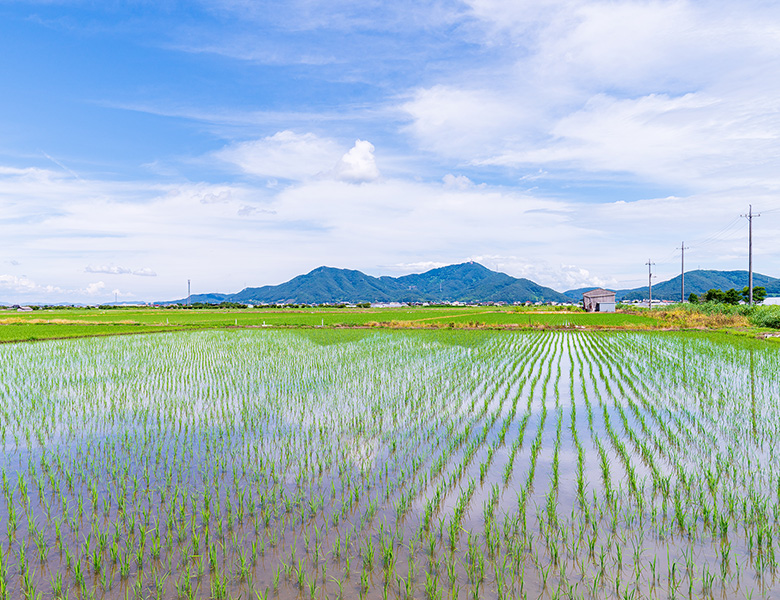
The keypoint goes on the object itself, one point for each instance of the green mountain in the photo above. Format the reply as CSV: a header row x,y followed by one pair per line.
x,y
697,282
700,281
322,285
204,298
467,282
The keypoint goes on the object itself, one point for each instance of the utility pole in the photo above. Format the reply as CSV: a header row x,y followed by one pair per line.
x,y
749,217
650,281
188,292
682,270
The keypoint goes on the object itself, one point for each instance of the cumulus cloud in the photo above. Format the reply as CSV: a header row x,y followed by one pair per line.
x,y
358,165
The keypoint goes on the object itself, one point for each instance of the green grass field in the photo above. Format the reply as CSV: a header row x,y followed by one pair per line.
x,y
45,331
46,324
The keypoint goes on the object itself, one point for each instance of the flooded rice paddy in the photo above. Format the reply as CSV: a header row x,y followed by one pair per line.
x,y
271,464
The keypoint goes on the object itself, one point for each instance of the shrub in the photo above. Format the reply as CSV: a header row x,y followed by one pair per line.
x,y
766,316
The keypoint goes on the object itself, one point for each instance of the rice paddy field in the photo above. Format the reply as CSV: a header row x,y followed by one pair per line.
x,y
262,464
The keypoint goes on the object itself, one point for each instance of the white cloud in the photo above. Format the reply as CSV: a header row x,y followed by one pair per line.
x,y
457,182
95,288
255,236
560,94
284,155
144,272
108,269
116,270
216,197
668,91
417,267
358,165
13,287
560,277
462,122
17,284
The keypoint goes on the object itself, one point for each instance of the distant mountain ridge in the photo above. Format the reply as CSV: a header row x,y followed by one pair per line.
x,y
467,282
696,282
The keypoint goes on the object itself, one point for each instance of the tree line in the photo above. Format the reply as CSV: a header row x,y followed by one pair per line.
x,y
731,296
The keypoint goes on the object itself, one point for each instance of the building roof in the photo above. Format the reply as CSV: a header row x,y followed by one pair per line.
x,y
599,292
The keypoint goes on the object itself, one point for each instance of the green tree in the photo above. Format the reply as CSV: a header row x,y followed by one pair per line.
x,y
693,298
732,296
714,295
759,294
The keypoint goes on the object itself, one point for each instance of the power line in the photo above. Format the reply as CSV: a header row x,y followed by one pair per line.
x,y
733,227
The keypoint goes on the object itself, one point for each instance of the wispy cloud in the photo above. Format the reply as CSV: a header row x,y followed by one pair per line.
x,y
286,155
564,141
116,270
668,91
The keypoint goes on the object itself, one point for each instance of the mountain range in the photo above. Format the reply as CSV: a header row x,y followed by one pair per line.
x,y
467,282
696,282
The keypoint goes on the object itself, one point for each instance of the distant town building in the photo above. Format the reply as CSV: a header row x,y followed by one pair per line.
x,y
599,300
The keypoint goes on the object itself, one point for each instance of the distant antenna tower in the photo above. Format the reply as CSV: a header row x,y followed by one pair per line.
x,y
189,294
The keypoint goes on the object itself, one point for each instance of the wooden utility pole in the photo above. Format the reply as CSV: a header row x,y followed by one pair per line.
x,y
749,217
682,271
650,281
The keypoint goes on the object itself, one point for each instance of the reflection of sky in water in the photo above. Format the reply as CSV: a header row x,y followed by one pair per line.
x,y
307,382
378,401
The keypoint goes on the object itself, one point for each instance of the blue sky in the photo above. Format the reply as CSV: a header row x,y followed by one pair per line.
x,y
241,143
